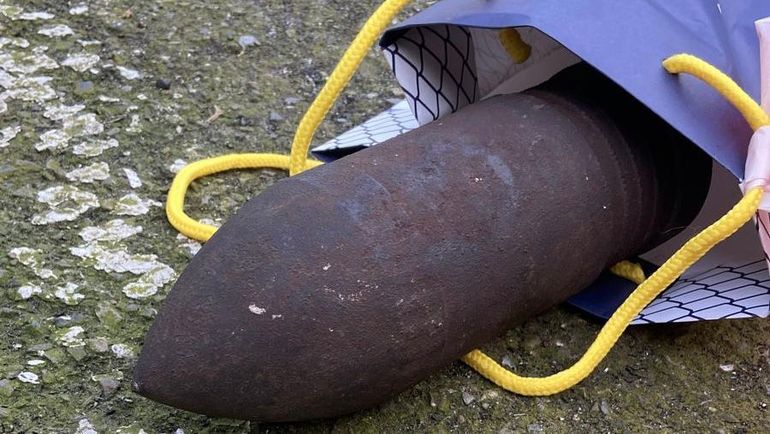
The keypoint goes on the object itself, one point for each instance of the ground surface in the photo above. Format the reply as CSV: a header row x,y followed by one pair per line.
x,y
87,256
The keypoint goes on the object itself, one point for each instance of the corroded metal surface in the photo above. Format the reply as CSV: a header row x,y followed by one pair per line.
x,y
340,287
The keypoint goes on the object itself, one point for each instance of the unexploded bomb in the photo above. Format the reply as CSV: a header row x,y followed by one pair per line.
x,y
421,249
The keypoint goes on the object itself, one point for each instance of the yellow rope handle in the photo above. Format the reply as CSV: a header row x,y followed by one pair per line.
x,y
297,161
511,40
729,89
693,250
650,288
176,194
339,78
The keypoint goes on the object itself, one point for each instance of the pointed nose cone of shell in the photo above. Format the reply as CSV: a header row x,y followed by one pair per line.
x,y
205,351
215,346
245,331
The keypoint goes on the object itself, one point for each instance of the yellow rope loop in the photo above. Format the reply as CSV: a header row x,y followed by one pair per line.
x,y
297,161
629,271
514,45
693,250
751,111
176,194
339,78
648,289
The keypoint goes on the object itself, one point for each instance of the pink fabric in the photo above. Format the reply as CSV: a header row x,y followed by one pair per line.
x,y
758,164
763,31
758,161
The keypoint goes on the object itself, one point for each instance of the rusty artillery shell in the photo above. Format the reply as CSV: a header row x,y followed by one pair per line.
x,y
341,287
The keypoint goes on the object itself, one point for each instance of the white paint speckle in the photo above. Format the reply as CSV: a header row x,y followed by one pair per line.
x,y
177,165
94,147
133,205
81,62
52,139
73,125
72,337
85,124
60,111
277,316
79,9
26,63
188,244
25,255
85,427
85,43
256,309
66,203
247,41
148,283
31,258
17,13
28,377
727,367
152,274
68,294
327,267
7,81
9,11
128,73
57,31
34,16
122,351
130,429
45,273
105,98
113,230
7,134
116,259
507,361
27,291
35,362
89,174
132,177
135,126
16,42
30,89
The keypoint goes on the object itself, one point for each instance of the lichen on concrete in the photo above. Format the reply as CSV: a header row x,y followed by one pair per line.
x,y
102,101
